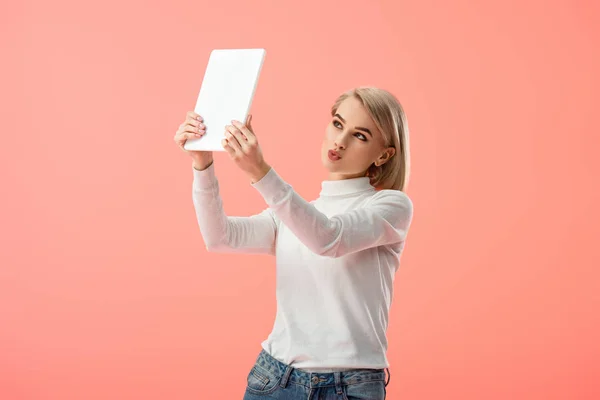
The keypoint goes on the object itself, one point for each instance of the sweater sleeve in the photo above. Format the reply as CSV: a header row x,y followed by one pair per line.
x,y
384,220
224,234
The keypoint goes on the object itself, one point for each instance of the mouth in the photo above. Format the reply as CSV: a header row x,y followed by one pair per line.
x,y
333,155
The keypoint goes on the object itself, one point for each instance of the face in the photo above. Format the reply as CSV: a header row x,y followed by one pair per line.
x,y
359,143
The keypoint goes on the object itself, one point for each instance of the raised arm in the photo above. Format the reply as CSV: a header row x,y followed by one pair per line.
x,y
385,219
254,234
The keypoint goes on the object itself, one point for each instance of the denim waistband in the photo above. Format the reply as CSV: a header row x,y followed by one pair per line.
x,y
318,379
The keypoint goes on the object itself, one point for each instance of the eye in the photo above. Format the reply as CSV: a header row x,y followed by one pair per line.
x,y
362,137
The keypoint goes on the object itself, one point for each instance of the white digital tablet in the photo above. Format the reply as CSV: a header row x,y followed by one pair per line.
x,y
226,93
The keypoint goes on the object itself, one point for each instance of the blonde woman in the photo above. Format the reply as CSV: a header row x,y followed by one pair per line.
x,y
336,256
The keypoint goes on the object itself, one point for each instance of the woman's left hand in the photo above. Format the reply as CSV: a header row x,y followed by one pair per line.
x,y
244,150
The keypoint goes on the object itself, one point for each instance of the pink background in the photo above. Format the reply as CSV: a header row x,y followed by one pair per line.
x,y
106,290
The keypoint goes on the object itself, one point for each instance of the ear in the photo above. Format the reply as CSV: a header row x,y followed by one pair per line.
x,y
386,156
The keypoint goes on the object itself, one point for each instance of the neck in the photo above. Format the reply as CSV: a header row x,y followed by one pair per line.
x,y
345,185
334,176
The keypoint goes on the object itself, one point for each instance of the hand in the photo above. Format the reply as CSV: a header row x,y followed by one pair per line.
x,y
243,148
193,128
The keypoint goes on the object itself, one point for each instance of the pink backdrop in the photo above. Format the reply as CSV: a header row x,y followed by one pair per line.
x,y
106,290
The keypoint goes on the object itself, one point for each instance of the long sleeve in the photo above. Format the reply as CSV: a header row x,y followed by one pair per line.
x,y
253,234
385,219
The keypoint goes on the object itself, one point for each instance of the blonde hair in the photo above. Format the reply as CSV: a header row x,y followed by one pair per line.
x,y
389,117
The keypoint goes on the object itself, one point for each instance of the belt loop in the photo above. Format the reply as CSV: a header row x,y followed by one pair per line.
x,y
338,382
389,376
286,376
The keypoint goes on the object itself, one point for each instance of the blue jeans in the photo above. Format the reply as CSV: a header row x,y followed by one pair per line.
x,y
269,378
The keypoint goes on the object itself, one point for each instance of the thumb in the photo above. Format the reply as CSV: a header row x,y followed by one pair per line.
x,y
249,121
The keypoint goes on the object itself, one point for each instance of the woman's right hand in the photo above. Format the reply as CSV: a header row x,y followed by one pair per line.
x,y
193,128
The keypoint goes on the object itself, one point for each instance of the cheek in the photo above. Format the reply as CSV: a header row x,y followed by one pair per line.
x,y
325,144
329,134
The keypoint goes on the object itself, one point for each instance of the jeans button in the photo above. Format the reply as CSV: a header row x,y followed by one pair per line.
x,y
315,379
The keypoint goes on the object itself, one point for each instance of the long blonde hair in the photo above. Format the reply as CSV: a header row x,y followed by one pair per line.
x,y
389,117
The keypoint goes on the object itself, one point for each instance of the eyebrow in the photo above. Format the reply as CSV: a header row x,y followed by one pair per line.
x,y
356,127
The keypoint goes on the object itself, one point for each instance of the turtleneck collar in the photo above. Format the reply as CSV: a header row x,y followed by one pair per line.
x,y
346,186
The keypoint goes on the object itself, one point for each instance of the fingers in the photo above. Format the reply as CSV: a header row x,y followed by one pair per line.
x,y
239,140
230,150
246,130
194,122
186,131
193,116
239,137
235,138
196,125
192,128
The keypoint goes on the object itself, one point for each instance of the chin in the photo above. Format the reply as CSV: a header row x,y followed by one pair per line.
x,y
329,167
328,164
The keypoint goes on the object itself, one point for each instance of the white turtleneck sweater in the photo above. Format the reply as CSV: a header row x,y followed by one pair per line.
x,y
336,258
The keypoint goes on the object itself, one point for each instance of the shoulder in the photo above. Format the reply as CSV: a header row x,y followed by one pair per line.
x,y
393,204
392,197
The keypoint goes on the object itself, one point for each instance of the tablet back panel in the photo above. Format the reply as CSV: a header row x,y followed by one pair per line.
x,y
226,93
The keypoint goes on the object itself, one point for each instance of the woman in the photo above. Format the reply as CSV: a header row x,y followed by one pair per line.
x,y
336,256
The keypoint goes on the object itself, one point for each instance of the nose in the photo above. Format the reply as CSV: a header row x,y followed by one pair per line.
x,y
340,143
